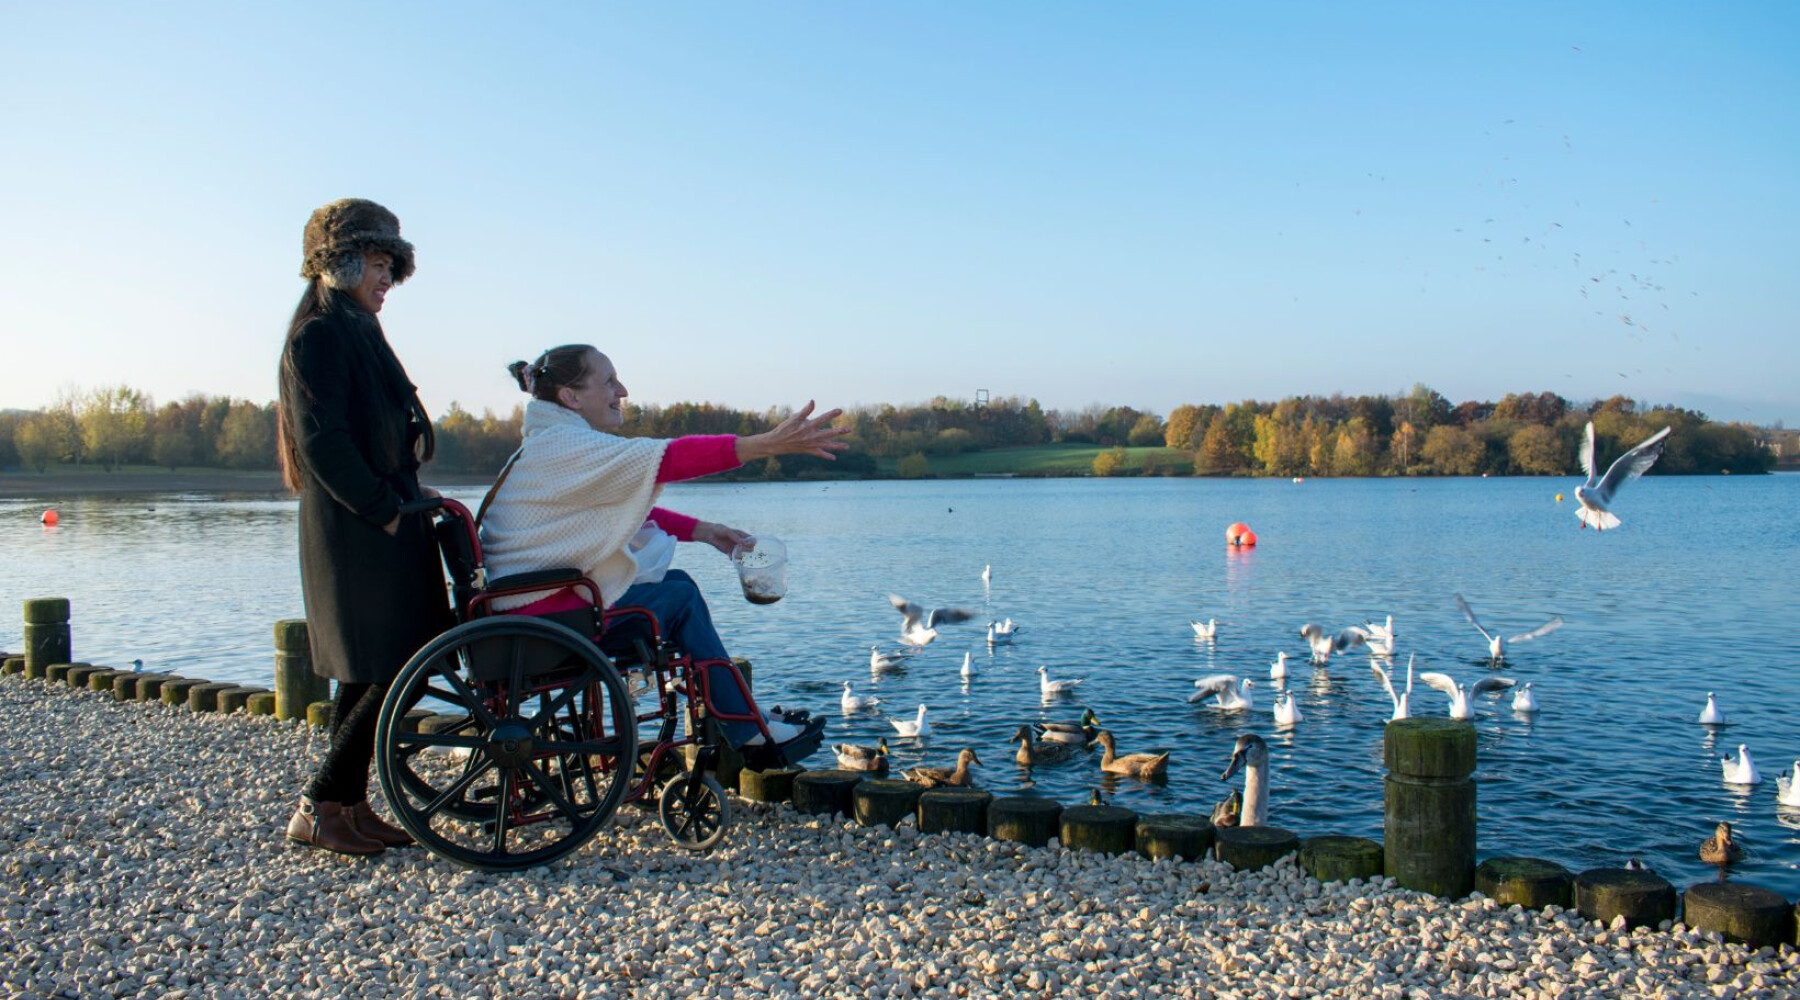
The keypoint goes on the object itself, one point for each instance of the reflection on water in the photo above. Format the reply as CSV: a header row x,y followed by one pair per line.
x,y
1104,576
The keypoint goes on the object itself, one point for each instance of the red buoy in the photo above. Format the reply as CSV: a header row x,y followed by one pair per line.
x,y
1239,534
49,518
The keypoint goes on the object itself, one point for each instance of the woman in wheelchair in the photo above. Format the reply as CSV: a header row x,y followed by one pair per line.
x,y
579,495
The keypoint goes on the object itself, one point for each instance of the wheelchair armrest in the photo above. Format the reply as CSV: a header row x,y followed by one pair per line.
x,y
541,579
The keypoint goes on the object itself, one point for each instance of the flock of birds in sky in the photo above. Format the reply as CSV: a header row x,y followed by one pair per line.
x,y
1055,743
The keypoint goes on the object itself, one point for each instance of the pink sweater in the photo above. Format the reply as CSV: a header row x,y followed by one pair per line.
x,y
690,458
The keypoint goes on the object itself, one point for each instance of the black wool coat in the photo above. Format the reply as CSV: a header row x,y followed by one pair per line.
x,y
372,599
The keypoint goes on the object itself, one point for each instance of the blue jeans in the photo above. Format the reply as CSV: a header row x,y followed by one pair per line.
x,y
681,612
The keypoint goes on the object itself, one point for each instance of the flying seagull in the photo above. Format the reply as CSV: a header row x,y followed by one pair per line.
x,y
1496,644
1596,495
918,625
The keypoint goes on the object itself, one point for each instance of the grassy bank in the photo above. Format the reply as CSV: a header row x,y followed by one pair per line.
x,y
1046,460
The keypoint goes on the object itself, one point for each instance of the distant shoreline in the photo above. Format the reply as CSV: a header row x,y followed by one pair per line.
x,y
98,482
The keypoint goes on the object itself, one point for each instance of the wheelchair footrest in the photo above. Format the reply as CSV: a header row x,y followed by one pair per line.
x,y
765,757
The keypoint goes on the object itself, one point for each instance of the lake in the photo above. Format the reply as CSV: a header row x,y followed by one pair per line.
x,y
1695,593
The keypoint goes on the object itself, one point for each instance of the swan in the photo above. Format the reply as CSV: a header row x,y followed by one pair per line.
x,y
917,728
1080,733
851,757
1034,751
1208,629
1787,790
1524,700
1232,692
1402,708
1711,715
1497,645
1278,669
1286,712
918,625
1595,496
1052,689
931,777
1741,771
968,667
853,702
1460,695
879,661
1136,765
1252,755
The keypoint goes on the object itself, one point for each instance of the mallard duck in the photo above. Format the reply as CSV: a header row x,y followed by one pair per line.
x,y
1034,752
1095,798
931,777
1082,732
1228,810
1251,754
1136,765
851,757
1719,849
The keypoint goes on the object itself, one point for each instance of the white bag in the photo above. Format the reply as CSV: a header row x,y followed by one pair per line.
x,y
653,549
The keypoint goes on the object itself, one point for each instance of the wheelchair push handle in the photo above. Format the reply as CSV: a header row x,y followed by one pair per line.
x,y
426,505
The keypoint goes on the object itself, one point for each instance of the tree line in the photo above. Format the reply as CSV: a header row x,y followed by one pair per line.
x,y
1416,433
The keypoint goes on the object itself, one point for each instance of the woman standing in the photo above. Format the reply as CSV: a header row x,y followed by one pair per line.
x,y
352,435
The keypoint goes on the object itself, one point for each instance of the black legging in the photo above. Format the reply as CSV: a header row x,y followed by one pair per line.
x,y
343,776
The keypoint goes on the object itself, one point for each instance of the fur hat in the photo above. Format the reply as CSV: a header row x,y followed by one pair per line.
x,y
340,233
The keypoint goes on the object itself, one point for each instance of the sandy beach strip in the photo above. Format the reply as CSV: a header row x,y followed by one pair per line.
x,y
143,857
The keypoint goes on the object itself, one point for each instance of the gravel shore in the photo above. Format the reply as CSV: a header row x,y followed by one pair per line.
x,y
143,855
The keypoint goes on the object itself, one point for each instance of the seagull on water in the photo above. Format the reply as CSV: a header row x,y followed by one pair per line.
x,y
1741,771
1278,669
853,702
1286,712
1208,629
1379,637
1524,700
1003,631
917,728
918,625
1787,790
1402,708
968,667
1324,643
987,576
1496,644
1232,692
1051,689
1711,715
1460,695
1596,495
879,660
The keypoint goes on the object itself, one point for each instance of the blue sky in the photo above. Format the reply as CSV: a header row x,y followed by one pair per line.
x,y
759,203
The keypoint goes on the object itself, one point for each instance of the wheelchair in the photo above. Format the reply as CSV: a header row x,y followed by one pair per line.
x,y
535,737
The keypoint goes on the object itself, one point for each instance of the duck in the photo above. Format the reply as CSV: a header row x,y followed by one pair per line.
x,y
1080,733
1402,699
969,670
1636,864
1251,754
1787,790
1232,692
932,777
1136,765
1052,689
1741,771
1460,708
879,661
1208,629
1278,669
1711,715
1719,849
1524,701
1286,712
1033,752
851,757
852,702
1229,810
917,728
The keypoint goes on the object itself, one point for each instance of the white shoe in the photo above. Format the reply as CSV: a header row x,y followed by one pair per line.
x,y
782,732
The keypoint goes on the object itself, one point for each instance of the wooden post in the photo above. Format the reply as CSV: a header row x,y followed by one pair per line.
x,y
317,713
954,810
102,680
1248,848
175,690
296,686
78,674
775,785
1026,819
1644,899
1101,829
236,699
819,793
14,665
1174,835
260,703
1530,882
205,697
46,634
1745,913
1429,834
1339,859
149,686
884,801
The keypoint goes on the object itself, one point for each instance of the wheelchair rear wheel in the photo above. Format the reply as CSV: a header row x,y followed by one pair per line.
x,y
540,762
694,810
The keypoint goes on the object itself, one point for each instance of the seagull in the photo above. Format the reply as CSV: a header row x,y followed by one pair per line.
x,y
987,576
1402,709
1741,771
1278,669
918,727
968,668
853,702
1787,790
1497,645
1380,637
1596,495
1232,692
1286,712
1524,700
918,626
879,660
1208,629
137,666
1459,695
1324,644
1711,715
1001,631
1051,689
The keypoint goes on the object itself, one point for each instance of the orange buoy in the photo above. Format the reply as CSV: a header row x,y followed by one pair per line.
x,y
1247,539
49,518
1239,534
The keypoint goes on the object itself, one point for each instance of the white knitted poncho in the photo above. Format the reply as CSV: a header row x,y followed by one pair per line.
x,y
574,499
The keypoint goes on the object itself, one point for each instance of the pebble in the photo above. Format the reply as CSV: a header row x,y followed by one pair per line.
x,y
144,855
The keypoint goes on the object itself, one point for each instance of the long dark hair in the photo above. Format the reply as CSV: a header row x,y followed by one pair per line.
x,y
322,301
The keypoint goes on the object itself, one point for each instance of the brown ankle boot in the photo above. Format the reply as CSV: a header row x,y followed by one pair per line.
x,y
328,825
363,818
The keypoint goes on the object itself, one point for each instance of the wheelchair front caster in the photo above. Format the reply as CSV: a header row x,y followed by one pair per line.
x,y
693,808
